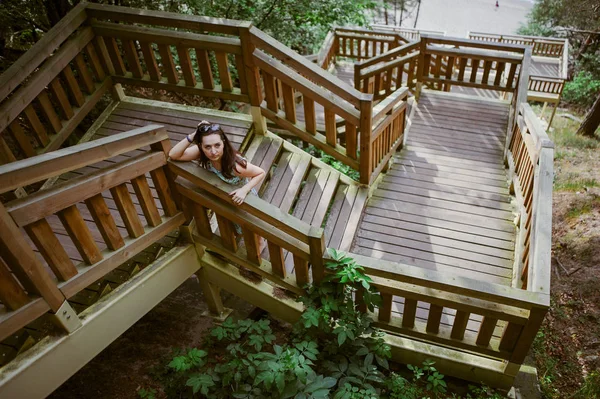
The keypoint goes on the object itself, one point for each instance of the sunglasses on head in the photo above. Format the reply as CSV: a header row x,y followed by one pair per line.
x,y
213,127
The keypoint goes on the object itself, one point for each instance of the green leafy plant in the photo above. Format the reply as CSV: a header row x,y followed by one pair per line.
x,y
582,90
334,163
149,393
333,351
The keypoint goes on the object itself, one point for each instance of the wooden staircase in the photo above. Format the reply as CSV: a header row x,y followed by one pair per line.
x,y
312,191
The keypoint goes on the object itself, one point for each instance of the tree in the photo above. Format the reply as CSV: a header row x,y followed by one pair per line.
x,y
592,120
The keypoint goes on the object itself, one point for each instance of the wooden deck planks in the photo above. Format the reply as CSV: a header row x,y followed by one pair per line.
x,y
444,204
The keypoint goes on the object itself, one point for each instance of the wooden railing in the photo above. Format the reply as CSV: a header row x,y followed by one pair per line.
x,y
194,52
544,84
363,43
488,319
542,46
388,72
265,230
80,207
412,35
49,90
445,62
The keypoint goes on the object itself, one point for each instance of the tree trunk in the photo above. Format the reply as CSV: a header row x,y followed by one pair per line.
x,y
418,9
591,121
56,9
402,5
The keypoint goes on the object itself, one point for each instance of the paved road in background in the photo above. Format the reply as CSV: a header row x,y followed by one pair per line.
x,y
457,17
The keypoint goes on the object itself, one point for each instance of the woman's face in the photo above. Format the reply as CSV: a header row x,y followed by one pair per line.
x,y
212,146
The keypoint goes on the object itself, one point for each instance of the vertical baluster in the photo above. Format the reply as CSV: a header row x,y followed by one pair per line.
x,y
351,140
434,318
499,71
487,66
202,221
166,59
62,100
115,55
104,222
252,243
461,69
410,312
11,293
330,128
150,61
316,243
146,200
227,233
49,112
239,66
84,74
6,155
133,60
385,311
186,66
460,325
73,86
22,139
204,69
270,91
127,210
95,63
103,55
224,75
53,252
474,67
80,234
486,330
164,191
289,103
277,259
301,271
309,115
38,128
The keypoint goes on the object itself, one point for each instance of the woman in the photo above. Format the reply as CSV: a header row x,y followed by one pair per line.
x,y
214,152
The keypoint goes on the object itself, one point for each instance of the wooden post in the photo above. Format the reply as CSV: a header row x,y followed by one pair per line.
x,y
252,79
366,116
212,294
420,67
316,243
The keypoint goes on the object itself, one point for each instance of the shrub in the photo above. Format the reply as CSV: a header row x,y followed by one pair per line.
x,y
582,90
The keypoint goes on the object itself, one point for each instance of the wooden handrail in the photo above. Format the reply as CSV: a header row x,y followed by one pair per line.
x,y
388,55
254,205
474,44
162,36
166,19
304,67
27,171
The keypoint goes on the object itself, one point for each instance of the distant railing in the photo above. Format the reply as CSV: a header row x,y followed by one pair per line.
x,y
79,205
445,61
266,230
388,72
542,46
363,43
544,84
412,35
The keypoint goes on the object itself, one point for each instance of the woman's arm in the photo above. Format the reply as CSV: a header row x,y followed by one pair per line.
x,y
184,151
254,173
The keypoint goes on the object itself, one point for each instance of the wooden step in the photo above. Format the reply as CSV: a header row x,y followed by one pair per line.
x,y
263,152
344,217
287,178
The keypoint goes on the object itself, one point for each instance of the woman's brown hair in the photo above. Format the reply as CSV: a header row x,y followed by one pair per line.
x,y
230,158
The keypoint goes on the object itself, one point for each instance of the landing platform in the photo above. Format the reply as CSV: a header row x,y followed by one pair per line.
x,y
445,203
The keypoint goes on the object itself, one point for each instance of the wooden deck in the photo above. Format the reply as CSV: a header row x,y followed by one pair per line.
x,y
445,204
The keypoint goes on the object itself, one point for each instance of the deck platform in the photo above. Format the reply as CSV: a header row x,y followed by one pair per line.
x,y
444,204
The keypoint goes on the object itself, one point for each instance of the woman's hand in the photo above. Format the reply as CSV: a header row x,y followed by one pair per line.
x,y
238,196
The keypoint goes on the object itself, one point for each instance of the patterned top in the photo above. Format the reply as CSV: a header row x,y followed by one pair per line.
x,y
234,181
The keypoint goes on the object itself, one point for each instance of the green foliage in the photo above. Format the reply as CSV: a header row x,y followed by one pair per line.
x,y
332,352
591,387
582,90
334,163
147,393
